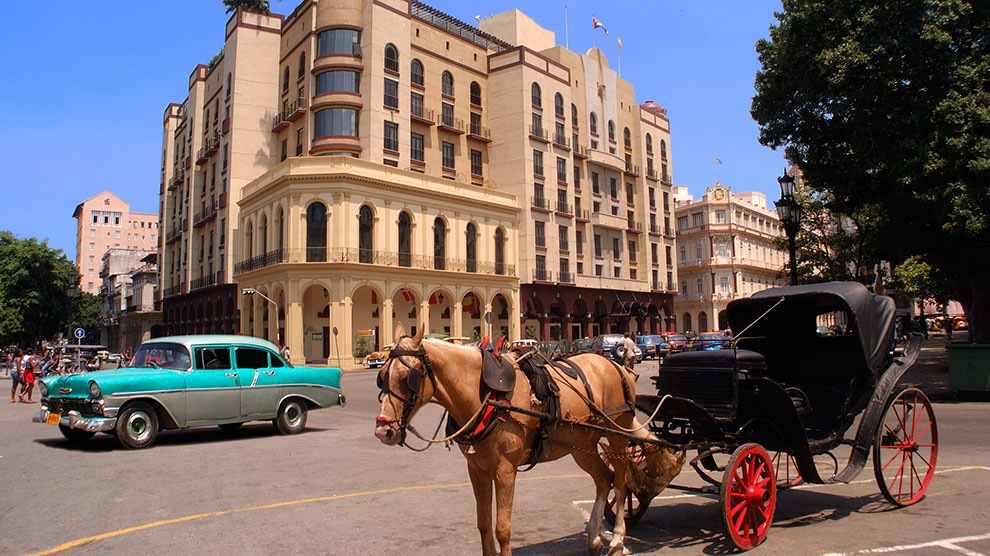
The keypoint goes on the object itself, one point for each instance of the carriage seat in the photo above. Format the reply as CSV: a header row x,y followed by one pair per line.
x,y
821,384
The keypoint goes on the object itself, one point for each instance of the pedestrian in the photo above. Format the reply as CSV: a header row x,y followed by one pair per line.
x,y
947,325
15,375
28,366
285,353
629,358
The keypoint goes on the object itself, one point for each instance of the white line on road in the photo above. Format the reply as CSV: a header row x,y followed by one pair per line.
x,y
949,544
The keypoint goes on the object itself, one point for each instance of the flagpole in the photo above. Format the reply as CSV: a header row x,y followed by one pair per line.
x,y
619,57
567,42
593,28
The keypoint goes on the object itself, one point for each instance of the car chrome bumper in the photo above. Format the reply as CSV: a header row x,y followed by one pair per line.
x,y
74,420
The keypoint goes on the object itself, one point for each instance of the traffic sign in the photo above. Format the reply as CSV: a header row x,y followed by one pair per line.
x,y
489,317
79,333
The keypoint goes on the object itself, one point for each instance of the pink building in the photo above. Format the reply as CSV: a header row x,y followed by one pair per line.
x,y
105,221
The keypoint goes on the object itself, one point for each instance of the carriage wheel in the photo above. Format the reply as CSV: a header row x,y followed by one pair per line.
x,y
634,508
785,470
748,496
905,448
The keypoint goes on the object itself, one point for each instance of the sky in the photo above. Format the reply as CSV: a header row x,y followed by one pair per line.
x,y
87,84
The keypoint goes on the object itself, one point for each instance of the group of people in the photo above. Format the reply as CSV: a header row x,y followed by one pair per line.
x,y
22,367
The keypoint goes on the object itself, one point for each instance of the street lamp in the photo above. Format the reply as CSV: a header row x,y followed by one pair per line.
x,y
789,211
252,291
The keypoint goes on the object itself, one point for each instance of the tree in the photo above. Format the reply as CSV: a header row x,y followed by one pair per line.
x,y
917,281
255,5
34,283
886,106
86,315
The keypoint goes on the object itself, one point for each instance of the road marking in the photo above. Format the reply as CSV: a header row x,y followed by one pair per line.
x,y
95,538
948,544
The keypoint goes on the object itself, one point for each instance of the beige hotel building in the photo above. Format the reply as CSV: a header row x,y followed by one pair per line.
x,y
360,163
726,251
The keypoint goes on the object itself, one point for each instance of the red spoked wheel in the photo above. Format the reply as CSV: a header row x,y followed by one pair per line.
x,y
785,470
748,496
906,447
633,508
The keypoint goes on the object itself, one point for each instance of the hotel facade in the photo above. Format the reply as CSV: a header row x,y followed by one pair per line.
x,y
357,164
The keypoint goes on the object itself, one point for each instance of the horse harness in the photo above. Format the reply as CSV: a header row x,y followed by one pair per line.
x,y
414,380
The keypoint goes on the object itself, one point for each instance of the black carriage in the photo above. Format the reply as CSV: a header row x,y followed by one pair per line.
x,y
807,362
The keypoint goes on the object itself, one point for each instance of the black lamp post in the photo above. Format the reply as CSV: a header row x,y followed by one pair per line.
x,y
789,211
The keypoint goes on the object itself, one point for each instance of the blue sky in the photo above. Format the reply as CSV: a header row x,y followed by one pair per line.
x,y
87,83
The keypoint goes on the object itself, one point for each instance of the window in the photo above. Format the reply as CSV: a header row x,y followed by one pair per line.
x,y
96,217
598,245
475,93
405,232
632,251
697,250
629,192
720,217
559,137
565,270
574,118
595,187
391,136
391,58
302,66
251,358
215,358
697,219
338,41
338,81
316,232
439,244
654,253
577,177
537,96
626,138
416,146
447,114
285,152
561,169
279,230
613,189
558,105
416,104
92,232
537,162
391,93
499,251
594,123
299,142
470,253
228,85
336,121
562,238
649,144
448,155
475,123
476,162
579,240
663,151
416,72
541,268
285,81
540,232
537,124
611,131
447,83
365,229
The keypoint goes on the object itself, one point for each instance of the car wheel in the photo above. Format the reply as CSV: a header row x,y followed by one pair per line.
x,y
619,352
230,427
291,417
137,426
75,435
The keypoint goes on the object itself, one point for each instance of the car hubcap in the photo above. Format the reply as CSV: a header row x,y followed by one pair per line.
x,y
137,423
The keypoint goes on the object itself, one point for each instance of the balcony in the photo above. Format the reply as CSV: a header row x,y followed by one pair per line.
x,y
262,261
341,255
540,203
451,124
542,275
203,282
225,126
210,146
537,133
171,291
563,208
479,133
632,169
565,278
652,174
174,182
205,215
561,141
173,235
582,215
293,111
665,178
580,151
424,116
655,229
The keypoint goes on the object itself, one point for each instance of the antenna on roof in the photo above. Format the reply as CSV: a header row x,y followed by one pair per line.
x,y
478,19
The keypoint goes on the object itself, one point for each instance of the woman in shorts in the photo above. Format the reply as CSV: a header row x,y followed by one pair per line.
x,y
15,375
27,378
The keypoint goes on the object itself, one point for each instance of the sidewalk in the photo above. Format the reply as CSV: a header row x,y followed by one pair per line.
x,y
930,372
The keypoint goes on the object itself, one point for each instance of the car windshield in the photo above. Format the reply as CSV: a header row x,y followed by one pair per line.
x,y
677,337
710,337
160,355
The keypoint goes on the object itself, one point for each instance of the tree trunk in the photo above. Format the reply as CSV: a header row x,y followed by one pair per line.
x,y
975,300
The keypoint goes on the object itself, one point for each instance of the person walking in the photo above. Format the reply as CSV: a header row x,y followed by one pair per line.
x,y
15,375
27,378
285,353
629,354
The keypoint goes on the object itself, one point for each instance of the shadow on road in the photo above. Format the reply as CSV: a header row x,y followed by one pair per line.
x,y
107,442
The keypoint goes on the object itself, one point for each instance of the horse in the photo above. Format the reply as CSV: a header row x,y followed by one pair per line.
x,y
419,371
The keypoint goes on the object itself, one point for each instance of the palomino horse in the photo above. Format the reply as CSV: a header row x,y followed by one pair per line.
x,y
419,371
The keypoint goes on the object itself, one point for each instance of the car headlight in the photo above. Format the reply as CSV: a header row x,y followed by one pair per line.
x,y
44,389
94,390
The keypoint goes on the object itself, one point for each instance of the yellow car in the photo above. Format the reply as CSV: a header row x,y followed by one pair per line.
x,y
377,359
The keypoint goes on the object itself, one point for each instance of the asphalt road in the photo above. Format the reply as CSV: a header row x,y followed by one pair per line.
x,y
336,490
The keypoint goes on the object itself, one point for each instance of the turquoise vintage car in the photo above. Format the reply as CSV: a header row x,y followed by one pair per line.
x,y
180,382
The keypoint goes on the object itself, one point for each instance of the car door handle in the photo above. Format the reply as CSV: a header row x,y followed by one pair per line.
x,y
231,375
269,373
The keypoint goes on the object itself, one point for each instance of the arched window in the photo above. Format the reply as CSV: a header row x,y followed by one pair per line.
x,y
626,138
558,105
687,322
228,85
316,232
447,84
264,234
366,222
249,241
416,72
475,93
537,95
611,131
405,233
439,244
663,149
285,80
280,230
702,321
302,66
499,251
574,119
594,123
471,254
391,58
649,144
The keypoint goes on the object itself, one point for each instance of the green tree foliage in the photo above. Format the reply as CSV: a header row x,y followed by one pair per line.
x,y
86,315
918,281
886,106
256,5
34,283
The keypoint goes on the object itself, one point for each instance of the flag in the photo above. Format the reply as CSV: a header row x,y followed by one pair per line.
x,y
598,24
619,40
718,161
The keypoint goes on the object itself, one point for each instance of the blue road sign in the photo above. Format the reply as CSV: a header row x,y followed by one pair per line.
x,y
80,333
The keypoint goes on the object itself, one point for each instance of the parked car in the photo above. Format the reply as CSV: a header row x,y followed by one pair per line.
x,y
377,358
181,382
692,341
710,341
523,345
653,346
676,341
605,344
583,345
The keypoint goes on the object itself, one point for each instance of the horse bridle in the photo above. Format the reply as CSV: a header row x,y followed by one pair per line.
x,y
414,380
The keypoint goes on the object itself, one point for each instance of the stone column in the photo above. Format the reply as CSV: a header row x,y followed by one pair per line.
x,y
385,324
457,320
